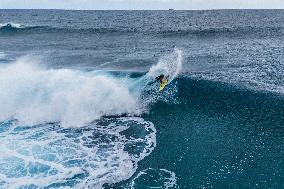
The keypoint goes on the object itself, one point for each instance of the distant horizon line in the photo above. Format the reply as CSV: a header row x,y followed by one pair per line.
x,y
170,9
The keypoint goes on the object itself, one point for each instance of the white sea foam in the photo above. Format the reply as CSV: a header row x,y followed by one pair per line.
x,y
35,95
169,65
2,55
13,25
106,151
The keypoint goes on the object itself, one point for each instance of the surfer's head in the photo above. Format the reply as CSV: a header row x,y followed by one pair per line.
x,y
160,77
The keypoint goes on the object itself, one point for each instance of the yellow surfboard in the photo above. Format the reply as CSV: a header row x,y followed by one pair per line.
x,y
163,84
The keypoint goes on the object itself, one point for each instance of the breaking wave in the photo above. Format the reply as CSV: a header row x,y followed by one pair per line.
x,y
34,95
198,31
70,128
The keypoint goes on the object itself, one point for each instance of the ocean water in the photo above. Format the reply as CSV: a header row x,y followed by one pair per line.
x,y
79,107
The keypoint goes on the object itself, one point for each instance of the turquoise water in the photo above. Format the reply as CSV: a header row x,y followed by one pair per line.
x,y
79,106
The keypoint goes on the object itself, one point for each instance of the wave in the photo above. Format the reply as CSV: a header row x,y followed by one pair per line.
x,y
62,134
198,31
226,30
11,25
160,178
32,94
198,92
2,55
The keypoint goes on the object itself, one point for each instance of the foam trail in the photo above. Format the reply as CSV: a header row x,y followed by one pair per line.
x,y
35,95
105,151
170,64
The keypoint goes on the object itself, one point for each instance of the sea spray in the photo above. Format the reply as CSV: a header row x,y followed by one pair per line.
x,y
169,65
46,155
34,95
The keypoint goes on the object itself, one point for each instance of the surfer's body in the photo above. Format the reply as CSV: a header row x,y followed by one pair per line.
x,y
163,81
161,78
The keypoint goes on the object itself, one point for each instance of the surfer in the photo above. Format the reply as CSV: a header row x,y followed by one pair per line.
x,y
161,78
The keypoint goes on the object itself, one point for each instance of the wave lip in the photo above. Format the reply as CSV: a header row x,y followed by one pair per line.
x,y
155,178
2,55
232,31
10,27
17,28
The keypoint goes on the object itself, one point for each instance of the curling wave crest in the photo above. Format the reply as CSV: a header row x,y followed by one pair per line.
x,y
35,95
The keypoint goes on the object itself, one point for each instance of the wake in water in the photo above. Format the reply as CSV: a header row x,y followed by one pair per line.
x,y
48,136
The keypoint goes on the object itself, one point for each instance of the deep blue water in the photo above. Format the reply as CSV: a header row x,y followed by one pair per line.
x,y
79,106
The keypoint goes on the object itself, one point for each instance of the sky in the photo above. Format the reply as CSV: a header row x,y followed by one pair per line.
x,y
141,4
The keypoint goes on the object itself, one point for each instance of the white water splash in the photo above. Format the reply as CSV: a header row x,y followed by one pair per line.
x,y
106,151
169,65
34,95
154,178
